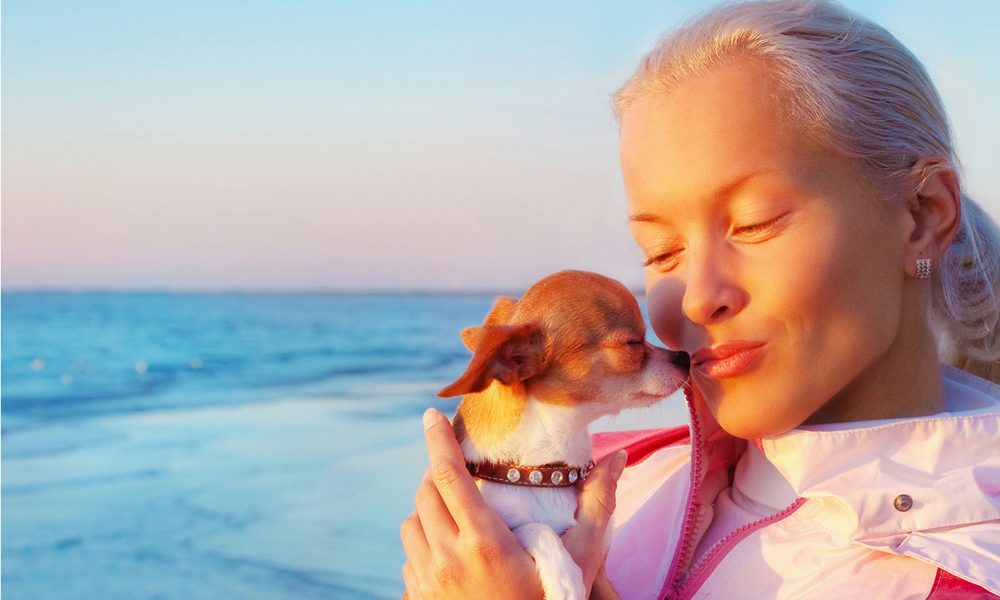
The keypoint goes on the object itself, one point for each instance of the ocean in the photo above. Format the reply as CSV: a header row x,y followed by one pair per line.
x,y
225,445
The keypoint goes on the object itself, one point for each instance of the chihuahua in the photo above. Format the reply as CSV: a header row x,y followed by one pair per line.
x,y
572,349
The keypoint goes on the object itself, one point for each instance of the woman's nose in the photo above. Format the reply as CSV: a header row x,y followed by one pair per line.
x,y
711,291
701,293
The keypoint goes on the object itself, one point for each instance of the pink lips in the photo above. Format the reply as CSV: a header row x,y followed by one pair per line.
x,y
727,360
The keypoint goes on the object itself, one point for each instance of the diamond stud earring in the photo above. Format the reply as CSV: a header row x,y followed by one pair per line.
x,y
923,268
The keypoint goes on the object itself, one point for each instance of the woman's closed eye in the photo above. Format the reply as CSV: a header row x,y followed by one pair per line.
x,y
758,230
663,259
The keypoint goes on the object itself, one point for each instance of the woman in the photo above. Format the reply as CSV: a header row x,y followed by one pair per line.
x,y
792,183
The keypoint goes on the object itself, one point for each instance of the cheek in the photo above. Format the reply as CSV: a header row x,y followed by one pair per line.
x,y
664,298
840,287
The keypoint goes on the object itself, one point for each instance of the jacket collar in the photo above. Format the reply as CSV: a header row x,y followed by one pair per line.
x,y
945,467
947,464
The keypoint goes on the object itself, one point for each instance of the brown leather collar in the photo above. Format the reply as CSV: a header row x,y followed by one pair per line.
x,y
550,475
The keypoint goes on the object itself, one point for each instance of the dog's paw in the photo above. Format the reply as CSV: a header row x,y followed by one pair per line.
x,y
564,583
561,578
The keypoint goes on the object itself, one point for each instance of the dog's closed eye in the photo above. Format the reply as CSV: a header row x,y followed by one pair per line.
x,y
625,355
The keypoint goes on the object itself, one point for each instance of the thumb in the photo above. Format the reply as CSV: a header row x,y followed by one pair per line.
x,y
597,495
596,504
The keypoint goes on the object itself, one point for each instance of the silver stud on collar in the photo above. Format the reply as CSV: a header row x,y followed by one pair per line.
x,y
513,475
573,475
535,477
556,477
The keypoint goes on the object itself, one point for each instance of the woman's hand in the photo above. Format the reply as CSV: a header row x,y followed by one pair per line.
x,y
585,541
458,547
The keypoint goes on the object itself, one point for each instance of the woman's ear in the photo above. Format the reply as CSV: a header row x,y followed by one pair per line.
x,y
935,209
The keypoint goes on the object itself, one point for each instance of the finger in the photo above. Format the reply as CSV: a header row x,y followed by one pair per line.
x,y
447,468
410,581
603,588
438,525
597,494
418,554
596,504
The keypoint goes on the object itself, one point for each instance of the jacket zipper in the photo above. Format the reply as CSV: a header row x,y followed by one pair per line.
x,y
692,514
706,565
679,578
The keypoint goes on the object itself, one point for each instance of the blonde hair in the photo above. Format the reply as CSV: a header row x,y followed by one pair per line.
x,y
851,85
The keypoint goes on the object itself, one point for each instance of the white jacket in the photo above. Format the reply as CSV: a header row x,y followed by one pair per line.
x,y
896,509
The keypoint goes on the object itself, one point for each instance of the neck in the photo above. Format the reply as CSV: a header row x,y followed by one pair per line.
x,y
504,425
905,382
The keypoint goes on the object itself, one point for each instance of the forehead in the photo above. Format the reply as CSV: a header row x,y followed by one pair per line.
x,y
712,128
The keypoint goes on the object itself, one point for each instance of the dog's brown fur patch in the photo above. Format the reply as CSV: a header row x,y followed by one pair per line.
x,y
489,416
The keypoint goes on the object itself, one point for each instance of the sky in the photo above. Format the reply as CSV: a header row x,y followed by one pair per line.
x,y
314,145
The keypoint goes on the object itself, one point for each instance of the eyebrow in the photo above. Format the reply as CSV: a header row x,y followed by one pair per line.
x,y
722,191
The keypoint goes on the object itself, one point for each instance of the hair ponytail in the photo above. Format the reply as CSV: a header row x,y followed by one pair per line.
x,y
966,296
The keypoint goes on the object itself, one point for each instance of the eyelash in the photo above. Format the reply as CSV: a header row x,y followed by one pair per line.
x,y
758,227
659,258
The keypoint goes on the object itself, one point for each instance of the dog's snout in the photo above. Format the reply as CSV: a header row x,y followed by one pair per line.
x,y
681,359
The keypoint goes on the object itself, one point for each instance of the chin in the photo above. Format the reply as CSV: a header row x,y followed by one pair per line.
x,y
741,430
754,426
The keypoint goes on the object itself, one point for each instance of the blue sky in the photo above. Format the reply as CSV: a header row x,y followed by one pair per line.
x,y
359,145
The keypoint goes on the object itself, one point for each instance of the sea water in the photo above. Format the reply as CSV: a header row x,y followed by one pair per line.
x,y
167,445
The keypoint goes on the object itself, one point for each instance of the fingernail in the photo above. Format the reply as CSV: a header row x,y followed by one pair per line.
x,y
618,464
430,417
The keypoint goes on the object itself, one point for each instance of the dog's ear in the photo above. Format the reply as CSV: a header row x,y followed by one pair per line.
x,y
507,353
498,315
470,337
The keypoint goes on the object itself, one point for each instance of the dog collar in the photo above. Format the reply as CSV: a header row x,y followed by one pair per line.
x,y
550,475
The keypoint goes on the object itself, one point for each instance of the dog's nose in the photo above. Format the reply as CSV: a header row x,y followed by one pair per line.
x,y
681,359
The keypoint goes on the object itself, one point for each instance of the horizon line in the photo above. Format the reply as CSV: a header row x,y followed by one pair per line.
x,y
279,291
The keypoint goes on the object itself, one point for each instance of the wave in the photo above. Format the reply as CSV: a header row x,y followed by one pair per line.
x,y
13,490
171,393
68,356
299,583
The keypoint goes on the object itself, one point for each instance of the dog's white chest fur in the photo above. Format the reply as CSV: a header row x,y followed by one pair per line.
x,y
538,516
518,505
546,434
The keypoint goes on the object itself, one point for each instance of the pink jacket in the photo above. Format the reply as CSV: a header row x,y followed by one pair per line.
x,y
899,509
